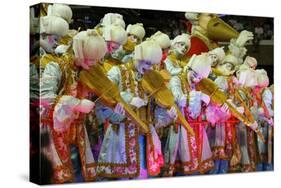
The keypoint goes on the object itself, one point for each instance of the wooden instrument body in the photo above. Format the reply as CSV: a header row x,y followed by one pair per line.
x,y
153,83
218,97
108,92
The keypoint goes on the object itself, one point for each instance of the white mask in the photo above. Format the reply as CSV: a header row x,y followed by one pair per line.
x,y
180,48
226,68
49,42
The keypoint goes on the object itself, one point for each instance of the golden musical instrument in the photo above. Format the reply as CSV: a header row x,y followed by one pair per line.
x,y
217,72
108,92
217,96
246,109
153,83
218,30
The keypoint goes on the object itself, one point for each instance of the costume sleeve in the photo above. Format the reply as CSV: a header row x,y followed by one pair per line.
x,y
127,58
194,106
161,117
64,112
114,75
105,113
34,82
50,81
175,87
221,82
171,68
267,99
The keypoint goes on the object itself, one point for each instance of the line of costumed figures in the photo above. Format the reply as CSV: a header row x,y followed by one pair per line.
x,y
115,104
